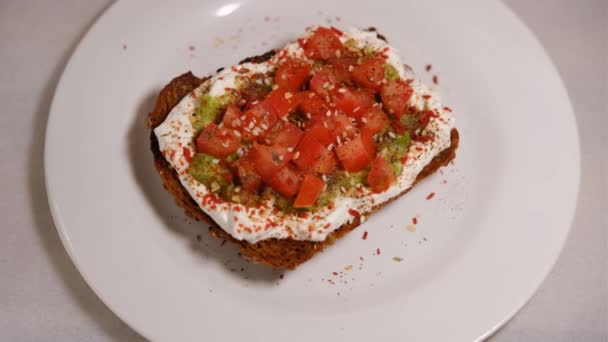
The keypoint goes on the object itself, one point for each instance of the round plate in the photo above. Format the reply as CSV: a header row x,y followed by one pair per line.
x,y
482,244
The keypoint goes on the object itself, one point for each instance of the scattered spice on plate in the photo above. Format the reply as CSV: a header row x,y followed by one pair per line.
x,y
431,195
397,259
428,67
364,237
435,79
411,228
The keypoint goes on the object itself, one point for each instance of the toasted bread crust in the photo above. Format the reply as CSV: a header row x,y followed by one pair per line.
x,y
277,253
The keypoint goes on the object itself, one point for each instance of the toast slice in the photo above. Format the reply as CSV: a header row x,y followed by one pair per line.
x,y
277,253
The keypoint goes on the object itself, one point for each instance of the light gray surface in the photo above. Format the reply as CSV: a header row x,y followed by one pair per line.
x,y
42,296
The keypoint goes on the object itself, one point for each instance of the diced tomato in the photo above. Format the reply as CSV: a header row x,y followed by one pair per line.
x,y
216,141
395,95
269,159
314,157
286,181
321,133
323,80
283,101
249,179
310,190
368,142
326,163
292,74
352,101
370,73
258,119
375,120
284,134
232,117
346,62
356,153
313,103
381,175
324,43
343,126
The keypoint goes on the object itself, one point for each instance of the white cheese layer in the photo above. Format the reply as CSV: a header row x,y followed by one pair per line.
x,y
176,137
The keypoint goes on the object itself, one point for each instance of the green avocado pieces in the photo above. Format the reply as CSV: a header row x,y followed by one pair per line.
x,y
390,72
207,170
394,150
209,108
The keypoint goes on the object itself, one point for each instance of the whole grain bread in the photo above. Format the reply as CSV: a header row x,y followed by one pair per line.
x,y
277,253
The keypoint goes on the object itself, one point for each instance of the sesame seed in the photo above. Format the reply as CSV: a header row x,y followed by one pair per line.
x,y
267,81
267,141
356,109
338,140
330,147
309,116
243,117
324,177
296,155
325,124
331,87
290,149
351,68
280,157
254,102
311,95
237,133
255,132
342,90
251,124
264,126
338,53
343,189
325,85
274,87
363,218
348,127
215,161
258,81
283,77
328,112
288,95
285,119
221,125
364,120
237,189
391,134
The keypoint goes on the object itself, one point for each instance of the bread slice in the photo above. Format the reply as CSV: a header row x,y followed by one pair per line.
x,y
277,253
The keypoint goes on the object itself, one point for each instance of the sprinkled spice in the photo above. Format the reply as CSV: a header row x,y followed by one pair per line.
x,y
414,220
281,276
397,259
364,237
431,195
187,154
354,213
377,251
435,79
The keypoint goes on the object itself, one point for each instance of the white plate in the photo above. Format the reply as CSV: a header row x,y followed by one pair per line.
x,y
482,246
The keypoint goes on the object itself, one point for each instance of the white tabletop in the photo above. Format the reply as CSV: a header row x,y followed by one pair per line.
x,y
42,296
